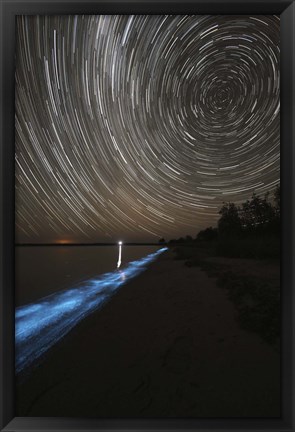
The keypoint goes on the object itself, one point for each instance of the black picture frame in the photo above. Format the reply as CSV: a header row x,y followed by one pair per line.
x,y
9,10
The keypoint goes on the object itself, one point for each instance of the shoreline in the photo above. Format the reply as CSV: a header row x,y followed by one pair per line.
x,y
167,344
53,316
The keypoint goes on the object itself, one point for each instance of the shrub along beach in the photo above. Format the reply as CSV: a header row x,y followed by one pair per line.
x,y
195,335
243,254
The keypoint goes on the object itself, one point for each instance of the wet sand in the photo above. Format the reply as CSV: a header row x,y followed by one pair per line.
x,y
168,344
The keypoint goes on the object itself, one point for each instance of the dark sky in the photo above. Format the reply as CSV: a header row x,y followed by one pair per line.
x,y
138,127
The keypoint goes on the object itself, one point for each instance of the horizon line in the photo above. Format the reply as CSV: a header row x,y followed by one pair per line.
x,y
88,244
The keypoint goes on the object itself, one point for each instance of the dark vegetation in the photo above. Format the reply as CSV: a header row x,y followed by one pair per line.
x,y
251,230
256,296
247,234
257,301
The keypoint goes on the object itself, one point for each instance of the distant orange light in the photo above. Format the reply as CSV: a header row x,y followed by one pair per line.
x,y
63,241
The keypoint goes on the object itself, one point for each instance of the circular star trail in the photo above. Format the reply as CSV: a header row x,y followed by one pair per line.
x,y
140,127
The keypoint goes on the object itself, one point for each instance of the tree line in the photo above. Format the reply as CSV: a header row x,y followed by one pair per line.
x,y
254,217
258,216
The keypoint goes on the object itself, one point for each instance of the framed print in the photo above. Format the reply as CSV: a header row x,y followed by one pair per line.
x,y
146,253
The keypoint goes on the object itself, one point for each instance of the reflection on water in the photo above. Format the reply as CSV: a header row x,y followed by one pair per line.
x,y
120,255
123,275
39,325
44,270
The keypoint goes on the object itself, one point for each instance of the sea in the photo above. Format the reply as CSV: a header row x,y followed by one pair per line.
x,y
44,270
56,287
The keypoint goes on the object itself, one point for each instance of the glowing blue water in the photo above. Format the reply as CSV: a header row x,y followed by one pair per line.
x,y
38,326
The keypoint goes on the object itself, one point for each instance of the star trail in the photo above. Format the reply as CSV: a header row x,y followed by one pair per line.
x,y
140,127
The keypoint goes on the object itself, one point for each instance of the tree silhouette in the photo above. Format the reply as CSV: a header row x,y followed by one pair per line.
x,y
229,223
257,213
207,234
277,200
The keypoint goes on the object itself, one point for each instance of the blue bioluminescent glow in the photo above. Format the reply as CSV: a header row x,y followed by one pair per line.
x,y
38,326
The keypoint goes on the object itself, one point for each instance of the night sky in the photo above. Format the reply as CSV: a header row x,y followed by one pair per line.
x,y
139,127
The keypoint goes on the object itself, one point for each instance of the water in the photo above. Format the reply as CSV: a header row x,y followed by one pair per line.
x,y
41,324
43,270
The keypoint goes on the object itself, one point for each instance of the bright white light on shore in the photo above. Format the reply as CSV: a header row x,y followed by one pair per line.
x,y
38,326
120,253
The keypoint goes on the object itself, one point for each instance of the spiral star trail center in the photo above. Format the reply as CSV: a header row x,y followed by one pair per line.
x,y
142,126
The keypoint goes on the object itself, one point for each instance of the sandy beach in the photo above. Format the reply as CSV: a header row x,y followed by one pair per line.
x,y
168,344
